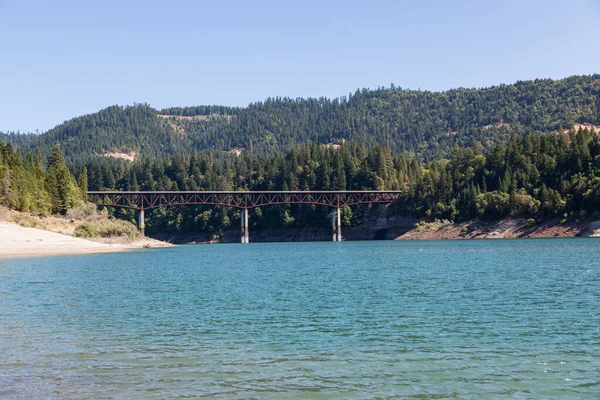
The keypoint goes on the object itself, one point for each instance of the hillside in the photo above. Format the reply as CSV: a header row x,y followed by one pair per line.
x,y
426,124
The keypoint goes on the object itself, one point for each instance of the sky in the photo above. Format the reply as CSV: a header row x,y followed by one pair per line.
x,y
61,59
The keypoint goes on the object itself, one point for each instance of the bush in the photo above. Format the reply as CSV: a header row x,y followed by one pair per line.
x,y
105,229
492,205
86,231
423,226
82,212
523,204
531,222
28,221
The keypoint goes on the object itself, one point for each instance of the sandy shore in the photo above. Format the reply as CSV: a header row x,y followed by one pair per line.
x,y
17,241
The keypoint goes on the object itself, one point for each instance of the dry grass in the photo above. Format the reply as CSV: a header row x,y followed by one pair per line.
x,y
83,221
22,219
4,213
423,226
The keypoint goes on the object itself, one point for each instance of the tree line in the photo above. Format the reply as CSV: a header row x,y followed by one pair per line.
x,y
425,125
535,176
28,184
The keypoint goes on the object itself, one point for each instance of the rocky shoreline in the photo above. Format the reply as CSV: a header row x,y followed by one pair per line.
x,y
509,228
378,224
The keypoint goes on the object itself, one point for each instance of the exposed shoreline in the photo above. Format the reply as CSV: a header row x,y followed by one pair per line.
x,y
508,228
402,228
18,241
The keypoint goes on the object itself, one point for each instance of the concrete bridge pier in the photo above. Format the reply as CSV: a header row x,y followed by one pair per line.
x,y
246,230
141,223
333,226
244,222
339,225
336,224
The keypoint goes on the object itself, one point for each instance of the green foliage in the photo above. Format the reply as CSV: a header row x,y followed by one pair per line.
x,y
82,182
492,205
425,124
456,155
61,185
105,228
536,176
423,226
26,186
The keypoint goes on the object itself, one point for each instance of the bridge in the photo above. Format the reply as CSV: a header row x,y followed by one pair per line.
x,y
243,200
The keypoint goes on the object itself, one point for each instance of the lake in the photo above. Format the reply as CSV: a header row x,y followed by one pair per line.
x,y
423,319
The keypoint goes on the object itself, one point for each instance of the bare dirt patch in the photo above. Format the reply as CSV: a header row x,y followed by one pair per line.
x,y
123,156
589,127
236,150
498,124
193,117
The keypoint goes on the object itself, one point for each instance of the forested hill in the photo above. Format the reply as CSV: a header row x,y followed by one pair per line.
x,y
426,124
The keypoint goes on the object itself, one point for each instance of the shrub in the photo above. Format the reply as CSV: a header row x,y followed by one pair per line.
x,y
82,212
523,204
105,229
86,231
492,205
27,221
531,222
423,226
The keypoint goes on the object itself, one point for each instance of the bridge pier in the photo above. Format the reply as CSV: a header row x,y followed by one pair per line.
x,y
246,231
244,222
339,225
333,226
141,223
336,224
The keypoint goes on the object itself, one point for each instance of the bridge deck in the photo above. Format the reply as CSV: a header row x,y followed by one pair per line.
x,y
140,200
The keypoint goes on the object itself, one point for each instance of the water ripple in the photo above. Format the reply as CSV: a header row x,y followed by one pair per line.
x,y
459,319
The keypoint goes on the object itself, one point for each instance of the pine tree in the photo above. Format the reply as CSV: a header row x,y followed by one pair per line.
x,y
83,182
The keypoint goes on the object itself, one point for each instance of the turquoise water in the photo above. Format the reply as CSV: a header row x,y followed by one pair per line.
x,y
435,319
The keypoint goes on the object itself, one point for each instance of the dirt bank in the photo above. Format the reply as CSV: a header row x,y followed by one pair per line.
x,y
378,225
504,229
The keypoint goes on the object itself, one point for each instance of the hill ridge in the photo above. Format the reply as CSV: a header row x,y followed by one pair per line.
x,y
423,123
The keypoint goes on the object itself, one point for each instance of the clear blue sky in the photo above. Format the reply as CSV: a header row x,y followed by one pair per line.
x,y
61,59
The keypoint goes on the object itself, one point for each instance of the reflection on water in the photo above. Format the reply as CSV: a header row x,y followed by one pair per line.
x,y
467,319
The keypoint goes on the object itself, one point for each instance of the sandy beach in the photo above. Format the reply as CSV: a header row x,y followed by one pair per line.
x,y
17,241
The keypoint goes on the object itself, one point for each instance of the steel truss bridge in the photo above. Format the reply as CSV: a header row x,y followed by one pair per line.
x,y
244,200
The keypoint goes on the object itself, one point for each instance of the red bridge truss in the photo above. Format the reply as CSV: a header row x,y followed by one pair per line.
x,y
244,200
238,199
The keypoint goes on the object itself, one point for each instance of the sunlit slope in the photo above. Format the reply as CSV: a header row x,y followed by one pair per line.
x,y
428,124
